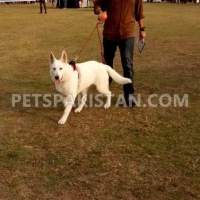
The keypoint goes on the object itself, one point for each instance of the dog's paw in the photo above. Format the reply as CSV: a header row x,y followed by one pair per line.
x,y
61,121
106,106
77,110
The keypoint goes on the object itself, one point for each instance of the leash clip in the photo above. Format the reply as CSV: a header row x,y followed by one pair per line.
x,y
72,62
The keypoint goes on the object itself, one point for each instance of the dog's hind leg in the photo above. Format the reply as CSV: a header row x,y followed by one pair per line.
x,y
83,101
105,91
103,87
108,101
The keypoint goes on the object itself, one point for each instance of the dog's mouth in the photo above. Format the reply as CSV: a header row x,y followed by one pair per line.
x,y
58,79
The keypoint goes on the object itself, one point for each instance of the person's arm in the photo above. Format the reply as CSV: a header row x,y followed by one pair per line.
x,y
142,31
139,17
97,7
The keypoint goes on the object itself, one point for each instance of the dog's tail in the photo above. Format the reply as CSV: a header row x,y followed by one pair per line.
x,y
117,77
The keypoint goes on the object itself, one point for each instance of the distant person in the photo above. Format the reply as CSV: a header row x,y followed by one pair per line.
x,y
43,3
54,3
80,3
65,3
60,4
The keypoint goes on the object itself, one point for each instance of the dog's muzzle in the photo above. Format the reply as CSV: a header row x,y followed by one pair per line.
x,y
57,79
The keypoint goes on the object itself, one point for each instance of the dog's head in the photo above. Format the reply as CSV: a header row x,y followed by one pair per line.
x,y
57,67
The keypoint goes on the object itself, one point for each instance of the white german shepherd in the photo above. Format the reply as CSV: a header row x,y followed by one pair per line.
x,y
71,80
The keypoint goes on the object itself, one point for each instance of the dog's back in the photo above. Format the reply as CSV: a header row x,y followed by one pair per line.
x,y
95,70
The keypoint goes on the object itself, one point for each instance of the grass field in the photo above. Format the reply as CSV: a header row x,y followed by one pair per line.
x,y
144,153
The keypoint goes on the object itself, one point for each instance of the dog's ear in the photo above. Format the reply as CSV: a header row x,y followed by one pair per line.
x,y
64,57
51,58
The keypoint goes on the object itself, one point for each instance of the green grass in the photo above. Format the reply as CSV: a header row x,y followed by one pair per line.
x,y
142,153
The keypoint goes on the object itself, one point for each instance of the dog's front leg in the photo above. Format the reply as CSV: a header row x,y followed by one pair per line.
x,y
64,100
83,101
69,102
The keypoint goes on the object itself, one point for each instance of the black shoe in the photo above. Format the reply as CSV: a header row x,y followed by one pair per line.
x,y
130,100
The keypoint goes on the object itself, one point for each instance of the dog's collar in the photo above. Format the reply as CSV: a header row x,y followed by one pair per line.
x,y
73,64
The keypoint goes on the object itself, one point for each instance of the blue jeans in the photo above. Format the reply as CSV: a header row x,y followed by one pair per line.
x,y
126,48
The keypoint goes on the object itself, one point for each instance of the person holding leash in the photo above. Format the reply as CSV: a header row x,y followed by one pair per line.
x,y
119,31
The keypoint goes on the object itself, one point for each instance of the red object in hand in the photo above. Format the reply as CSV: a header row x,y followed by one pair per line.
x,y
103,16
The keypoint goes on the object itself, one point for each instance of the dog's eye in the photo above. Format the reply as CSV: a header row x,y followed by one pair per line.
x,y
54,68
60,68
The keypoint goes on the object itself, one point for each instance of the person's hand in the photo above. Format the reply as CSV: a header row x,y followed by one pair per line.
x,y
102,16
142,34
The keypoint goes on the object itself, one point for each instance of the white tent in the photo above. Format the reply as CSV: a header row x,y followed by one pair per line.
x,y
84,4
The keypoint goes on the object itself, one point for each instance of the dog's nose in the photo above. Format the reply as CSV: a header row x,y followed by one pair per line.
x,y
56,77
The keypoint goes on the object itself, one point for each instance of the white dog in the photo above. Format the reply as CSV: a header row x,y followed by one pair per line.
x,y
70,80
